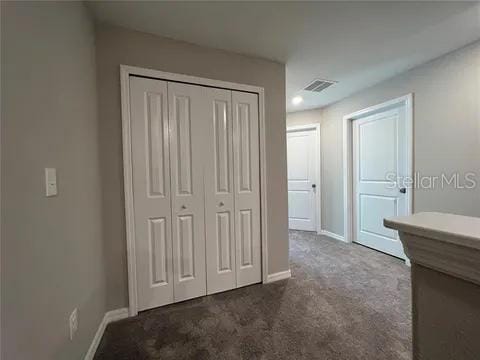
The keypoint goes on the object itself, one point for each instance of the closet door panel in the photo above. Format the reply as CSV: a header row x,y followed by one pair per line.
x,y
151,188
247,187
187,110
219,193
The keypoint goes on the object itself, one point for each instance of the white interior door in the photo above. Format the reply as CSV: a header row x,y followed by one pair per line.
x,y
379,159
151,186
187,113
219,192
247,187
302,162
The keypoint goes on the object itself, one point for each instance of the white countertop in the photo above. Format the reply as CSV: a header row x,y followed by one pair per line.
x,y
455,229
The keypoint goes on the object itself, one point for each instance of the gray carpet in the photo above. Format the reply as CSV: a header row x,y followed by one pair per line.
x,y
342,302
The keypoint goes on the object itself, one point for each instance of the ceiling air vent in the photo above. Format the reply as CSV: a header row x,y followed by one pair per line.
x,y
319,85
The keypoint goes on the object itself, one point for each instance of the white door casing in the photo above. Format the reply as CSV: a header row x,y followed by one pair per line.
x,y
142,146
247,187
302,165
151,185
219,192
187,111
379,167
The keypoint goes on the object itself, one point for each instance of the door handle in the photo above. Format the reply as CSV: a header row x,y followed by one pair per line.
x,y
221,203
183,207
403,190
314,186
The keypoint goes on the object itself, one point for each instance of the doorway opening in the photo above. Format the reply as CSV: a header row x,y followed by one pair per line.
x,y
304,190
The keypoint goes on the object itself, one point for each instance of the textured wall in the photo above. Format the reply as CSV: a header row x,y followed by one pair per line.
x,y
446,132
52,250
117,46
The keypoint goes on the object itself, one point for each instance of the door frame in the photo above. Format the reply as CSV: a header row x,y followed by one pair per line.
x,y
125,72
318,165
348,210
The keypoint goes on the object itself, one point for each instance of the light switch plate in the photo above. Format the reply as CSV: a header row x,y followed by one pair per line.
x,y
50,182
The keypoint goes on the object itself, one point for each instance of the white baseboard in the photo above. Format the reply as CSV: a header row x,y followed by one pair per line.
x,y
332,235
279,276
109,317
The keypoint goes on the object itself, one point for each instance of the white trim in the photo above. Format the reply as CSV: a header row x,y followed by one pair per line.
x,y
125,72
318,167
282,275
263,183
168,76
303,127
332,235
406,101
128,188
110,316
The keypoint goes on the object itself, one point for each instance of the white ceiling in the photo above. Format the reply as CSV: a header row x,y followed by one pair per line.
x,y
356,43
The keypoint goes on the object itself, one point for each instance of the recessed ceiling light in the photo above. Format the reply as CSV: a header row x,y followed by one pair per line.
x,y
297,100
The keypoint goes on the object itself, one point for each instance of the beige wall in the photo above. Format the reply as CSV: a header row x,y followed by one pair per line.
x,y
445,315
446,132
52,254
117,46
304,117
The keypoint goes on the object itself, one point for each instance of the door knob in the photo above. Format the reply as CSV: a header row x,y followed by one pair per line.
x,y
314,186
221,203
403,190
183,207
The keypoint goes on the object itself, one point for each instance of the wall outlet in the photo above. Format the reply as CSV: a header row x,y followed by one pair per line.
x,y
73,323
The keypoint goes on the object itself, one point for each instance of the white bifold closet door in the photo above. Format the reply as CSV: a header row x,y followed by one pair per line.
x,y
247,187
151,190
195,155
232,206
219,193
187,109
